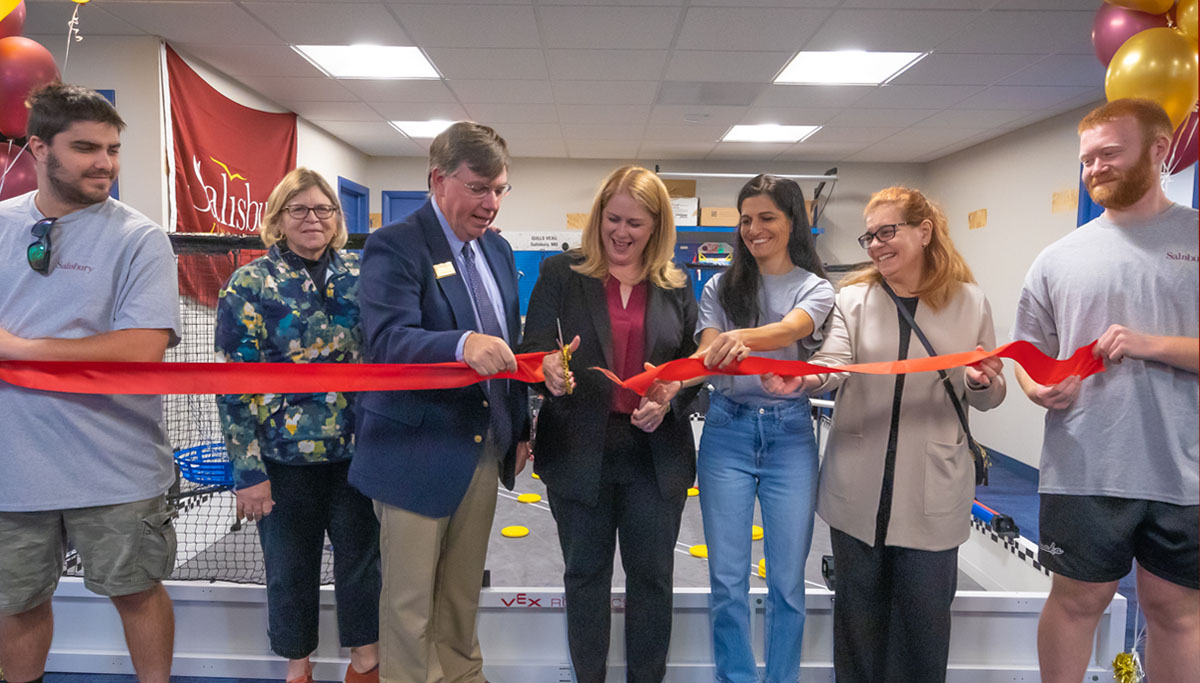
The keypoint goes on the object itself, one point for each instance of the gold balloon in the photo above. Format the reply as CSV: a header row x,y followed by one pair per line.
x,y
1147,6
1158,64
1185,19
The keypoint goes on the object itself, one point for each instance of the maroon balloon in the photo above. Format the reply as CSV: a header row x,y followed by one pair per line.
x,y
14,23
1114,25
22,177
25,66
1185,148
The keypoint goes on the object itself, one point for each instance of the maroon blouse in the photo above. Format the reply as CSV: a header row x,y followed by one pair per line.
x,y
628,324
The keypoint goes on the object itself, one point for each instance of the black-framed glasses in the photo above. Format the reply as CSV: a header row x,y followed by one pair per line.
x,y
38,253
883,233
322,212
478,190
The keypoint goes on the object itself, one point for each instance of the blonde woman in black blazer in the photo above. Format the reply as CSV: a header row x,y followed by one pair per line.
x,y
616,467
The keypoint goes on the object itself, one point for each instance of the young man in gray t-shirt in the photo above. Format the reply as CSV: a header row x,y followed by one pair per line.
x,y
1119,474
83,277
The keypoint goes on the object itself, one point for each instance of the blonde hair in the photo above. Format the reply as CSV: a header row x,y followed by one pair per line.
x,y
295,182
943,270
1151,118
650,193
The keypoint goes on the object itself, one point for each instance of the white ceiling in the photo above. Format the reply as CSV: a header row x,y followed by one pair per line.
x,y
646,79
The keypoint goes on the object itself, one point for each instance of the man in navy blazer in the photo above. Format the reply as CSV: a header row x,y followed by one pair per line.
x,y
441,286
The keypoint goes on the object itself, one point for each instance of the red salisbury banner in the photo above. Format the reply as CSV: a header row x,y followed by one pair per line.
x,y
228,158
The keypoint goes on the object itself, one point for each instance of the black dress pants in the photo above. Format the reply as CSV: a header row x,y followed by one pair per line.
x,y
891,612
634,513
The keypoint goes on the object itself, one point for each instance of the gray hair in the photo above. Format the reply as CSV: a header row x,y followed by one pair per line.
x,y
481,148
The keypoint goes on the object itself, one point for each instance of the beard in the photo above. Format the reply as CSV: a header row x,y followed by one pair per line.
x,y
74,191
1123,189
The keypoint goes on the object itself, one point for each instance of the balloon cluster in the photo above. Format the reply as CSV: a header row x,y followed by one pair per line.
x,y
25,66
1150,49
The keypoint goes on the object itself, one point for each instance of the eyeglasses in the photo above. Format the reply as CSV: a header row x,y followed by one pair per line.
x,y
883,233
479,190
38,253
322,212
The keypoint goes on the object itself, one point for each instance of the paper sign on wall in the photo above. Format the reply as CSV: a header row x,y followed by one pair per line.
x,y
1064,200
977,219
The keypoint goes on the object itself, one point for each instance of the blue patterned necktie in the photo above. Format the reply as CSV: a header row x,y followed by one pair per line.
x,y
483,303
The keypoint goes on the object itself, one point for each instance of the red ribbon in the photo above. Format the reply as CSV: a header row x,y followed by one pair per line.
x,y
1040,367
80,377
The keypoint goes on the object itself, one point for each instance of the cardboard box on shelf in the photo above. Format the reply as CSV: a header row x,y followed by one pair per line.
x,y
576,221
719,216
678,187
686,210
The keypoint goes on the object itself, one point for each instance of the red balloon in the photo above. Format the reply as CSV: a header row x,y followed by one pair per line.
x,y
1185,148
25,66
1114,25
22,177
14,23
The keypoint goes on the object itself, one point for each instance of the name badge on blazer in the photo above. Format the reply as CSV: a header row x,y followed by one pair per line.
x,y
443,269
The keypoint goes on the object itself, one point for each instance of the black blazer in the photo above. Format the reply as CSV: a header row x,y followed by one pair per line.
x,y
570,428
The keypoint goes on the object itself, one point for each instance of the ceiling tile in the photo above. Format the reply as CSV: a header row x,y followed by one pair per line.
x,y
682,115
537,148
893,152
470,26
573,131
478,63
945,68
889,29
936,138
420,111
50,19
741,67
334,111
1020,97
388,90
691,133
652,150
623,3
758,151
801,116
763,3
735,28
305,23
318,89
604,113
602,27
601,149
376,138
918,4
1061,70
917,96
251,60
1082,5
813,95
1028,32
700,92
605,65
195,22
820,151
605,92
866,136
973,118
499,113
530,130
502,91
880,117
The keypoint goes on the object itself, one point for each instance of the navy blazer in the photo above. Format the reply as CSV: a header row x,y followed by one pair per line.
x,y
417,450
571,428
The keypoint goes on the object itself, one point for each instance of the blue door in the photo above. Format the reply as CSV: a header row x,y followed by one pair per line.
x,y
355,206
398,204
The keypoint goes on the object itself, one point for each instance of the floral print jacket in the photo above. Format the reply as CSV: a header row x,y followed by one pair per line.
x,y
271,312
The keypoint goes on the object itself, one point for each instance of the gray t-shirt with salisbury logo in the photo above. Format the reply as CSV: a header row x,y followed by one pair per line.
x,y
1132,431
111,268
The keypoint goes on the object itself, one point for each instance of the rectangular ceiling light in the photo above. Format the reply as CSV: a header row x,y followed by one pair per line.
x,y
368,61
768,132
421,129
846,67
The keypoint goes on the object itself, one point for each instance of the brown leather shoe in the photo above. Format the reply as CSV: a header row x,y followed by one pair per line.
x,y
353,676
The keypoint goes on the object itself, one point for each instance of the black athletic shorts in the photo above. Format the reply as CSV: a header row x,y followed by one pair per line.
x,y
1096,538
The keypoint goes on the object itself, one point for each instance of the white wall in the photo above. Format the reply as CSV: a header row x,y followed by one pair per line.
x,y
545,190
1015,178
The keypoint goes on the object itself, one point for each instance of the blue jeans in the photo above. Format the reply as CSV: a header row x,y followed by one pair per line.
x,y
768,451
311,500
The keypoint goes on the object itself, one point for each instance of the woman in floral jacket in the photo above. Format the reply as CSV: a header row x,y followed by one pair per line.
x,y
291,453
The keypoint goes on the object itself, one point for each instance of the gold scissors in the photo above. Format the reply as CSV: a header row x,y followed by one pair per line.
x,y
566,357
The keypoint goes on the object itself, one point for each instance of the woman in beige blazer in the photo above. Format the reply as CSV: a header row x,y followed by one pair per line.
x,y
897,479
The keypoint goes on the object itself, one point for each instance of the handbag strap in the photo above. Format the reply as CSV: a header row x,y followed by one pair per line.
x,y
908,317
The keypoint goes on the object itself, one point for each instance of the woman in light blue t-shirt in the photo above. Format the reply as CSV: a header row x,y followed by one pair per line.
x,y
771,302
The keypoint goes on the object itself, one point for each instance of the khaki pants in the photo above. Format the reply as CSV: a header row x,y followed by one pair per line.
x,y
432,575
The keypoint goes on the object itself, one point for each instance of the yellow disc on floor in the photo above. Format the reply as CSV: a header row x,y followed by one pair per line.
x,y
528,498
693,492
756,532
762,567
534,475
699,550
514,531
